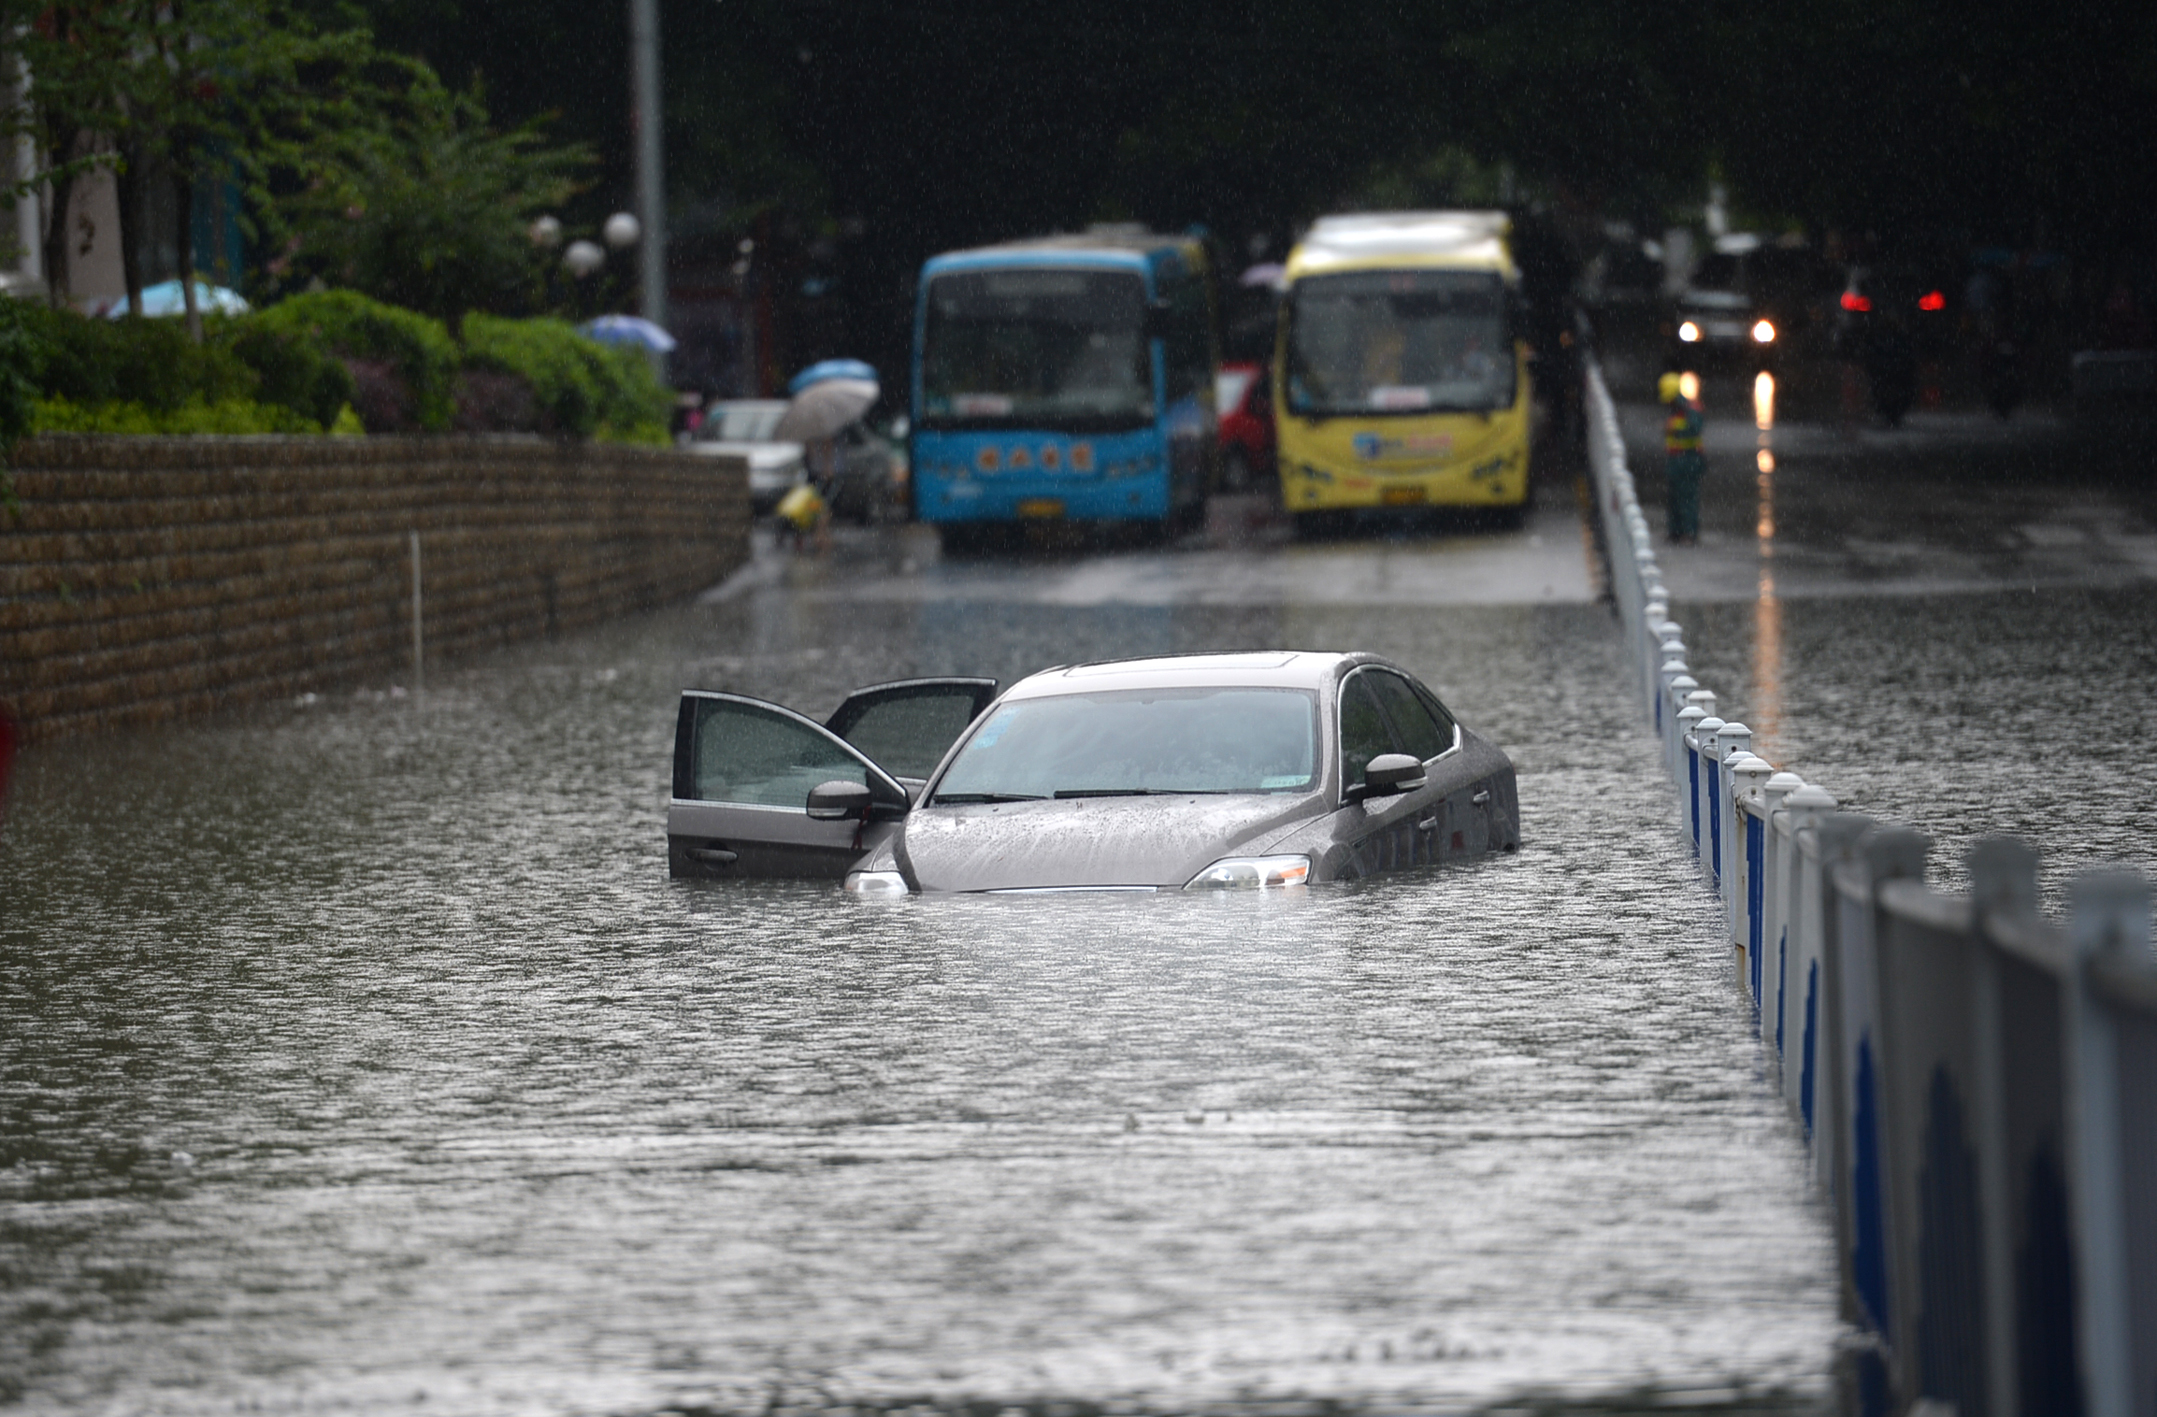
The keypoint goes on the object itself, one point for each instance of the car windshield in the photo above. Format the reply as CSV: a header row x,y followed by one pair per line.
x,y
1229,387
1036,349
1719,271
1399,342
743,422
1140,741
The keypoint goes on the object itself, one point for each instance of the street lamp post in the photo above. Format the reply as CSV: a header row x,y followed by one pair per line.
x,y
651,177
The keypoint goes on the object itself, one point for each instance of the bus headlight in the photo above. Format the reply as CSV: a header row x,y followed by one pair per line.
x,y
1764,333
1689,332
1252,873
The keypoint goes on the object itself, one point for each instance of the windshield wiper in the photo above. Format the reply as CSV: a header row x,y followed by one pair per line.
x,y
944,798
1063,792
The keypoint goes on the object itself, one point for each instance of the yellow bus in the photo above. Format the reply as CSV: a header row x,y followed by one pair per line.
x,y
1400,376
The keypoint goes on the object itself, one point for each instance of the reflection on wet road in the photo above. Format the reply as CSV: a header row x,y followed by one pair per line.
x,y
361,1056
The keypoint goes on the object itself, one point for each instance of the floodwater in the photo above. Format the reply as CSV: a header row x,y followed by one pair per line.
x,y
359,1056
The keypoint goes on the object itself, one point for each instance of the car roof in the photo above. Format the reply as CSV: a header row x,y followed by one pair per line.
x,y
1285,669
1389,240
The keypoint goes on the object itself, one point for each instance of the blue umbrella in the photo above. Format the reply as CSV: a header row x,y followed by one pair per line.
x,y
166,298
632,330
832,369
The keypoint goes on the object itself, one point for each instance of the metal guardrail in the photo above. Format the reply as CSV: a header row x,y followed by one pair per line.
x,y
1977,1085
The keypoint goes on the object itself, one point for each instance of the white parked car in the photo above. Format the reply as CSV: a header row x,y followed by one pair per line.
x,y
744,427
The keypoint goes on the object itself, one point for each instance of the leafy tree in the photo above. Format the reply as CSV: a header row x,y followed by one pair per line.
x,y
428,207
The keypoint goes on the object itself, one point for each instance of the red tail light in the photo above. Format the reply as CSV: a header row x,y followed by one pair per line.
x,y
1932,301
1851,300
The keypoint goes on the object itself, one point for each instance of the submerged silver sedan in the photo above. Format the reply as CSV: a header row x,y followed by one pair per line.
x,y
1271,769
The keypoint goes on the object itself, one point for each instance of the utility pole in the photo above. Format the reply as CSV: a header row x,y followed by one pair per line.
x,y
651,175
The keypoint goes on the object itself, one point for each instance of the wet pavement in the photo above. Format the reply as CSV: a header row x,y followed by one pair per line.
x,y
359,1055
1943,622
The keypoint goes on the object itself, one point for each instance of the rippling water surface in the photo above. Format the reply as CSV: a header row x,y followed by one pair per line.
x,y
2016,711
361,1057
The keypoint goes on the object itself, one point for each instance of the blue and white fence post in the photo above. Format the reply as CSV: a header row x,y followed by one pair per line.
x,y
1804,1085
1747,897
1776,868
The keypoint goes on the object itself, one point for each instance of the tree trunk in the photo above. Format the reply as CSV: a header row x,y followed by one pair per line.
x,y
183,204
59,193
133,182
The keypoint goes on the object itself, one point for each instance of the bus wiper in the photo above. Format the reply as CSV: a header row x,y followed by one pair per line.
x,y
946,798
1063,792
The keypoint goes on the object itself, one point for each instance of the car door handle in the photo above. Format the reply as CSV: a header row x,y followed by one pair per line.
x,y
1428,824
1481,799
713,855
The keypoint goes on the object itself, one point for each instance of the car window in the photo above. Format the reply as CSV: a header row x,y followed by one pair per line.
x,y
1447,724
749,754
1364,732
1419,731
907,734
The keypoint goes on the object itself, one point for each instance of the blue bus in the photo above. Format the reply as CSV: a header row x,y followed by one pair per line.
x,y
1066,378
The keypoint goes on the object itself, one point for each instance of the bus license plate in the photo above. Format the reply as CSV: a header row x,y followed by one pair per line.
x,y
1403,496
1042,508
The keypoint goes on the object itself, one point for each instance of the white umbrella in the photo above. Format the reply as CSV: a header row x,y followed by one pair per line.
x,y
827,397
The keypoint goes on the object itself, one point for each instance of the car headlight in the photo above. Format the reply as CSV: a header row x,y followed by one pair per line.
x,y
877,883
1689,332
1254,872
1764,332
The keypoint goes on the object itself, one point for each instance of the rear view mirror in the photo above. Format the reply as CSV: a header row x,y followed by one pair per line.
x,y
1389,774
838,801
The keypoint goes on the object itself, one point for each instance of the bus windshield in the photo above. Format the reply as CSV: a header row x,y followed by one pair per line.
x,y
1036,349
1402,342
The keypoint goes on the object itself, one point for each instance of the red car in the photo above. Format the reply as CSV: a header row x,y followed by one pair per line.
x,y
1243,397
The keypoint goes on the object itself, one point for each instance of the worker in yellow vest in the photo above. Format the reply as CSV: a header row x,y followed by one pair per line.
x,y
1683,462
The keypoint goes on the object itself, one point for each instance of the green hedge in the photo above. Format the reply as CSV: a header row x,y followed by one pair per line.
x,y
304,366
232,415
348,324
582,388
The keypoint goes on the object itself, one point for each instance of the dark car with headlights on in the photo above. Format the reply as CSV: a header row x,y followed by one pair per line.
x,y
1719,321
1272,769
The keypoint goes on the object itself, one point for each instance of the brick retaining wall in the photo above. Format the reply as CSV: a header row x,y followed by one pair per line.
x,y
146,579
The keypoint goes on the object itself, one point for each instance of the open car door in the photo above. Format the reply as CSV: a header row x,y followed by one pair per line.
x,y
744,768
909,724
743,771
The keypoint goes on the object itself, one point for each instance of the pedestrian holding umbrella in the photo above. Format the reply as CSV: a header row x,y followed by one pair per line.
x,y
827,397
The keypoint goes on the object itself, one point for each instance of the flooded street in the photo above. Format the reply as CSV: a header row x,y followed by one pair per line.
x,y
359,1055
364,1051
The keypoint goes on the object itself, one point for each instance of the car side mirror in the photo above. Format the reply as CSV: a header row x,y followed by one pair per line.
x,y
1390,774
838,801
